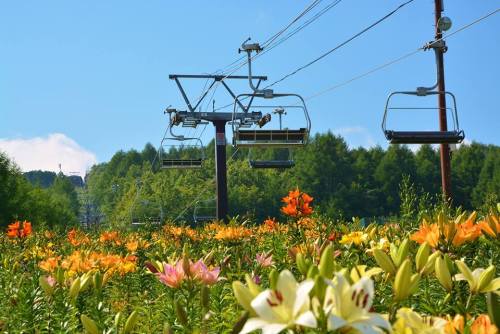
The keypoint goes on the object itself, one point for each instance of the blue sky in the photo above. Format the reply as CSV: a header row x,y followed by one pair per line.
x,y
95,73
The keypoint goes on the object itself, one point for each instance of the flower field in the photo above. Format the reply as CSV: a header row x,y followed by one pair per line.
x,y
302,273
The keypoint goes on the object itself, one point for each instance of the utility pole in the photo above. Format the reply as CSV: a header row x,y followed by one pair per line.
x,y
443,124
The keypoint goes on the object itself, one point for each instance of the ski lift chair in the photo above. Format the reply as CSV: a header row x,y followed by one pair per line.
x,y
280,137
182,148
453,136
204,211
142,213
245,136
276,137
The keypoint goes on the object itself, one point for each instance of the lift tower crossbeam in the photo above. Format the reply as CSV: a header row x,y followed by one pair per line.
x,y
219,120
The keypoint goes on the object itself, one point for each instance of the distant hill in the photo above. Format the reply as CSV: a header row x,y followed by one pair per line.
x,y
45,179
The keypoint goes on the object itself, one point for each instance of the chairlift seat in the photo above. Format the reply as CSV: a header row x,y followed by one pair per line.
x,y
271,164
424,137
181,163
275,138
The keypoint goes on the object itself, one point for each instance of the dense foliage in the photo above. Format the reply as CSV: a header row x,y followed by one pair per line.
x,y
346,182
55,205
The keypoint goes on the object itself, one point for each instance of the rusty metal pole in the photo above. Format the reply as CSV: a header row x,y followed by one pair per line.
x,y
443,124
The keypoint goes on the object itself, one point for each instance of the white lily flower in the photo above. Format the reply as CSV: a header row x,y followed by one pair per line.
x,y
349,306
480,280
283,308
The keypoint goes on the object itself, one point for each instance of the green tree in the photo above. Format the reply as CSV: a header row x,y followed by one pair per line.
x,y
487,190
398,161
466,165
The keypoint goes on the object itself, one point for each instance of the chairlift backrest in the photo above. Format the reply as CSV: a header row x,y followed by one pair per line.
x,y
455,135
264,135
181,153
204,210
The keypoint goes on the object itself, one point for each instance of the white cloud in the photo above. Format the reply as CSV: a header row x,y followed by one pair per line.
x,y
46,153
356,136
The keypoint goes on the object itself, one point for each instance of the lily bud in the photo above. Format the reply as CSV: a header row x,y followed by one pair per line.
x,y
485,278
301,263
60,275
186,266
402,252
373,231
131,321
252,286
209,257
415,279
461,218
319,287
181,314
393,252
443,274
85,280
205,296
243,296
97,281
74,289
326,263
384,261
402,283
47,288
422,256
441,220
273,279
493,301
312,272
118,319
449,263
185,250
430,265
89,325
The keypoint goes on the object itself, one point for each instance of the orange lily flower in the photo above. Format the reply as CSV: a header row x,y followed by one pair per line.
x,y
429,233
491,225
297,204
467,231
483,325
15,231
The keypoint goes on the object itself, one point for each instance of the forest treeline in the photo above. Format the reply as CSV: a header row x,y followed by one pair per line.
x,y
344,183
54,204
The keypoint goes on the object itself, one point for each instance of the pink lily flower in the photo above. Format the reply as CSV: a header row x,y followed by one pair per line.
x,y
172,275
264,260
200,271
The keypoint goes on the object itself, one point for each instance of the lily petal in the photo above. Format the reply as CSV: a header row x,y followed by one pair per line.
x,y
302,297
335,322
307,319
287,286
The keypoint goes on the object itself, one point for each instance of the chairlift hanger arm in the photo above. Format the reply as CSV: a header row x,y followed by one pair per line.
x,y
439,46
249,48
